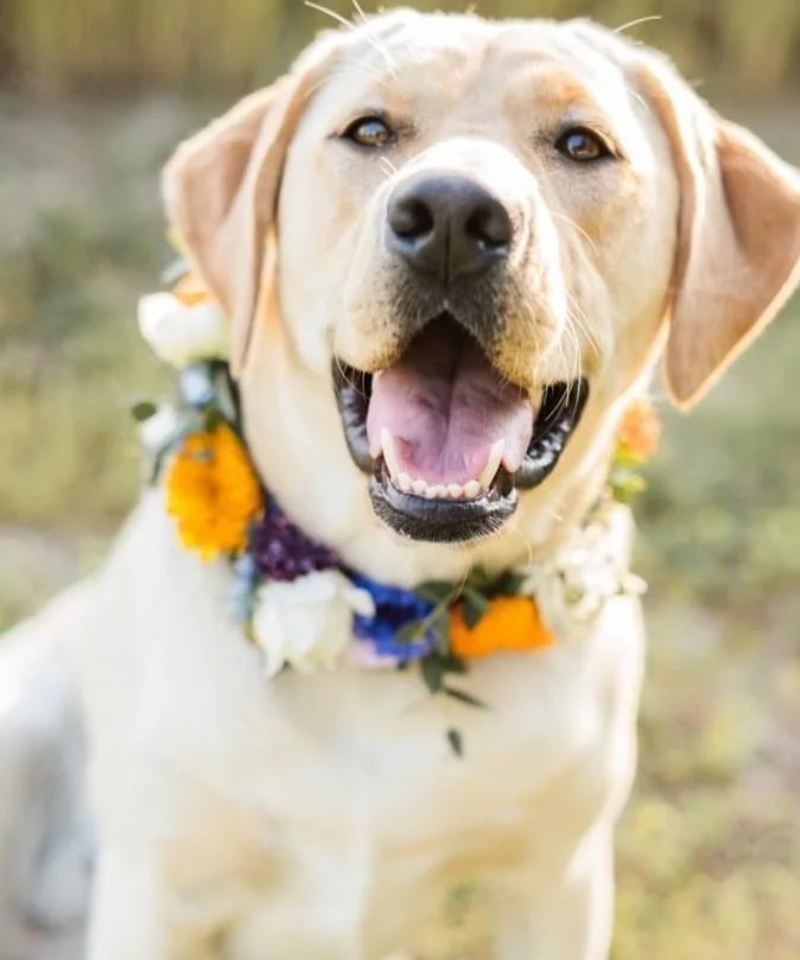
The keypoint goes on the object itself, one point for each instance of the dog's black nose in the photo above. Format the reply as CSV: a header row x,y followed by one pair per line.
x,y
448,226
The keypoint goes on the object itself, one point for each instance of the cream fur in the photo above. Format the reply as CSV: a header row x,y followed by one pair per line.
x,y
323,818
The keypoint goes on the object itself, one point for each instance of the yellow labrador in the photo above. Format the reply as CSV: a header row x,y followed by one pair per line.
x,y
482,213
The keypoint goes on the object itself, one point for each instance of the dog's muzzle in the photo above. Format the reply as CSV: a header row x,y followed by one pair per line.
x,y
447,442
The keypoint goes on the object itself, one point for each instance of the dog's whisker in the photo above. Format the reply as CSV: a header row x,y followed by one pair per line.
x,y
359,11
388,167
639,20
350,25
578,228
577,318
333,14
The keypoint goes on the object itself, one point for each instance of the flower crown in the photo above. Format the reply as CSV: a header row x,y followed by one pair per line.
x,y
298,601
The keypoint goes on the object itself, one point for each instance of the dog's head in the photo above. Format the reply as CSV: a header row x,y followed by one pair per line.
x,y
451,248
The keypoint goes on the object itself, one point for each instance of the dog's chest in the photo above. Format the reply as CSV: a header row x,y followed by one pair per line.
x,y
329,812
341,791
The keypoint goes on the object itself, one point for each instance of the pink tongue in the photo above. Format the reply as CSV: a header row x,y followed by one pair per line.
x,y
447,406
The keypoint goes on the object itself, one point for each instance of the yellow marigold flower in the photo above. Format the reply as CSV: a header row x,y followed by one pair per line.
x,y
510,623
213,492
191,290
639,431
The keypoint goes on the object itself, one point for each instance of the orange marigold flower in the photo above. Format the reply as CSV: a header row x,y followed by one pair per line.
x,y
213,492
191,290
510,623
639,431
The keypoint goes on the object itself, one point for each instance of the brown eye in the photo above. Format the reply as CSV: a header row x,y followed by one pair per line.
x,y
369,132
582,145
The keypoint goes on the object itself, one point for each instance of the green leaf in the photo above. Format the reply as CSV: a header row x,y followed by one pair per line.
x,y
625,485
432,673
437,591
453,664
213,418
463,697
143,409
508,585
441,634
456,741
475,606
410,632
479,579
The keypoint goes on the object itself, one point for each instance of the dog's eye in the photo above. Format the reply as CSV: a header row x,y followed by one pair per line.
x,y
369,132
582,145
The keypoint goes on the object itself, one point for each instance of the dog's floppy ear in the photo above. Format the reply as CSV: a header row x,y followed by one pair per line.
x,y
738,235
221,190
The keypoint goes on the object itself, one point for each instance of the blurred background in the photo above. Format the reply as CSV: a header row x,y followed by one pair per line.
x,y
94,94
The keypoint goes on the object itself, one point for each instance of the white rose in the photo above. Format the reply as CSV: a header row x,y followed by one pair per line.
x,y
307,623
179,334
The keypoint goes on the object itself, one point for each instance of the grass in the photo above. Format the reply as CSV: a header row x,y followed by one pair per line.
x,y
709,849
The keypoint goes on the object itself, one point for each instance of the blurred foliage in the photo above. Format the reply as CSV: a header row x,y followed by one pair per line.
x,y
709,849
187,44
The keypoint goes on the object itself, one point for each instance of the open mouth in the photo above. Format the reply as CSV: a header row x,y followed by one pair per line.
x,y
447,441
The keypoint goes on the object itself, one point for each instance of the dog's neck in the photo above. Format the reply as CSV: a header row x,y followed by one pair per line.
x,y
534,534
336,509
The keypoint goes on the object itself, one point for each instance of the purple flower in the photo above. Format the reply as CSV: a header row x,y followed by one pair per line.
x,y
283,552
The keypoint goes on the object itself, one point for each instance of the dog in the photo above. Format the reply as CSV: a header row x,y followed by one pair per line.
x,y
462,215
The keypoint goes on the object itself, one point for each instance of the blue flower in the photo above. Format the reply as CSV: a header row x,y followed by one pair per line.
x,y
242,589
394,608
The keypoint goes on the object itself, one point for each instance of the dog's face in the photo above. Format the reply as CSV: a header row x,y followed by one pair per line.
x,y
479,205
450,249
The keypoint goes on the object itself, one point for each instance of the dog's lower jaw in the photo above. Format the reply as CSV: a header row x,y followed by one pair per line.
x,y
441,521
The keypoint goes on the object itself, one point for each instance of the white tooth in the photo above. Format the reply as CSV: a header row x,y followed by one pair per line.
x,y
419,487
472,489
429,493
492,464
404,482
454,491
439,492
390,453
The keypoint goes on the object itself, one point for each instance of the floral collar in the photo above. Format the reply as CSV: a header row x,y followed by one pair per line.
x,y
298,601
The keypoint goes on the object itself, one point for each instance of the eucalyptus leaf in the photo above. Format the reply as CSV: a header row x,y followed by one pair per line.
x,y
432,673
463,697
213,418
456,741
475,606
409,632
508,585
480,579
441,634
437,591
453,664
227,395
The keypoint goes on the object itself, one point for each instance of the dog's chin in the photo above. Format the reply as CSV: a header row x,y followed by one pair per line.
x,y
446,441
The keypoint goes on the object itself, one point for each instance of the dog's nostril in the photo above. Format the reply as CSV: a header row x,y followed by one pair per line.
x,y
490,225
410,218
447,226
